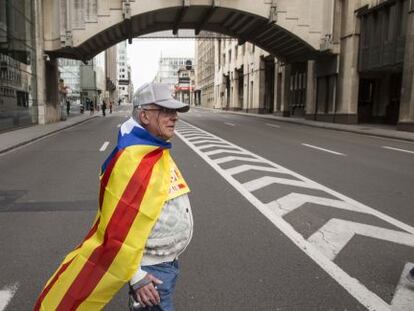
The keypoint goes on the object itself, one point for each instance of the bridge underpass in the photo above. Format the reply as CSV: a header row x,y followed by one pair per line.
x,y
289,30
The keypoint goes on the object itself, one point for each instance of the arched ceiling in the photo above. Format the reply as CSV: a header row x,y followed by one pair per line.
x,y
244,26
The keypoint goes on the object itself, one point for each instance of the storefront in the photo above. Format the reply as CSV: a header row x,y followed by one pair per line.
x,y
18,104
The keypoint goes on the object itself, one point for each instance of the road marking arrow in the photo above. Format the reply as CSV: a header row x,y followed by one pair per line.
x,y
264,181
336,233
6,294
218,151
246,167
294,200
216,145
231,158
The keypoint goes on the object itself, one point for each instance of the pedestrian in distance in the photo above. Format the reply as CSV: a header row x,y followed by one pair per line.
x,y
91,107
67,106
144,220
103,106
110,105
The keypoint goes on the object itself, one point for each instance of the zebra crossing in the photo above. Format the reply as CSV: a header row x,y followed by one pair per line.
x,y
235,163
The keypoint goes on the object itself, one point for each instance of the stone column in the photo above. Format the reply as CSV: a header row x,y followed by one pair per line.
x,y
348,77
285,87
310,90
40,62
275,88
406,120
46,74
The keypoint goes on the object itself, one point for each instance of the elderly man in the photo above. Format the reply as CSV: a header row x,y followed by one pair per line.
x,y
144,220
153,283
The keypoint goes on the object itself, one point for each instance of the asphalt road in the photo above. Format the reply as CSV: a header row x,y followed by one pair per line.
x,y
243,256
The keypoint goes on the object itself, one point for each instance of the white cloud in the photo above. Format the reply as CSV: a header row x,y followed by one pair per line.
x,y
144,55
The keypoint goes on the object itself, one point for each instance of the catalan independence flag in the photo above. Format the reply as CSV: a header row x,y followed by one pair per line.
x,y
135,182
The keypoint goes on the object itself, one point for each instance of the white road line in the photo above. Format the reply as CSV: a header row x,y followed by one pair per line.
x,y
6,294
336,234
273,125
322,149
229,124
366,297
104,146
398,149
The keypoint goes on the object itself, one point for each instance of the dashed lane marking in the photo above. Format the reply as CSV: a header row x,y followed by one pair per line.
x,y
336,232
323,149
104,146
273,125
6,295
229,124
398,149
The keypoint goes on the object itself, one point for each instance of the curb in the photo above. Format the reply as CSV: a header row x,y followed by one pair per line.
x,y
7,149
329,126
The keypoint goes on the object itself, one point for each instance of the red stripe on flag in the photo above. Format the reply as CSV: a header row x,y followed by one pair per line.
x,y
115,234
107,173
50,285
104,182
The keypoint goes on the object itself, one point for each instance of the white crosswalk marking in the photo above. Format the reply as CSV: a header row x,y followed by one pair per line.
x,y
192,138
245,167
202,141
265,181
336,233
218,151
234,158
6,294
340,231
221,145
294,200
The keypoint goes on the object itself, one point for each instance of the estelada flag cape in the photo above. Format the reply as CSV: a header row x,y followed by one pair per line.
x,y
136,180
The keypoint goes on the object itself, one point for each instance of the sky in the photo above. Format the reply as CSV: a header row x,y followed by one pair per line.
x,y
144,54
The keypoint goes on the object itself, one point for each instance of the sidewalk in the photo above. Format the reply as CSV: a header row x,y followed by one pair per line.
x,y
20,137
379,130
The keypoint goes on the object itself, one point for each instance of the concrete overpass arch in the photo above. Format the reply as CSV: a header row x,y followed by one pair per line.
x,y
288,29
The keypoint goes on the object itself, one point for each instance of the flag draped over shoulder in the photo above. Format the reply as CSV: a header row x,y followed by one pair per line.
x,y
135,182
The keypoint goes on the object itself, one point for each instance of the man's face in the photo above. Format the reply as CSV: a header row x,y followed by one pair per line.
x,y
159,121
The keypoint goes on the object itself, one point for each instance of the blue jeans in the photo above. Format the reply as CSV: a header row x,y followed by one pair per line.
x,y
167,272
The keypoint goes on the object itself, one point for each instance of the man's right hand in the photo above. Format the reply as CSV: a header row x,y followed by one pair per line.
x,y
147,295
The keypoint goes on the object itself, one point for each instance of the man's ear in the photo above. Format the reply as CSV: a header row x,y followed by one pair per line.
x,y
144,117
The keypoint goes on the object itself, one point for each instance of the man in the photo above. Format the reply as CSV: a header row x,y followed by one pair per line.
x,y
154,282
144,219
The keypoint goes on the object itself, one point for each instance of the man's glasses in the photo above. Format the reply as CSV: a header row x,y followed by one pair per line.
x,y
163,110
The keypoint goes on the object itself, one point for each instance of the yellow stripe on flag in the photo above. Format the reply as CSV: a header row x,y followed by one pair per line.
x,y
130,254
121,174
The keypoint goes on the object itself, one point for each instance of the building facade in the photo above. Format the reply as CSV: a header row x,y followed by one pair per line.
x,y
184,89
93,81
124,74
204,72
111,74
18,88
367,76
69,70
168,70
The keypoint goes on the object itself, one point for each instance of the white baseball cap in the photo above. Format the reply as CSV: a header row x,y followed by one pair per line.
x,y
158,94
